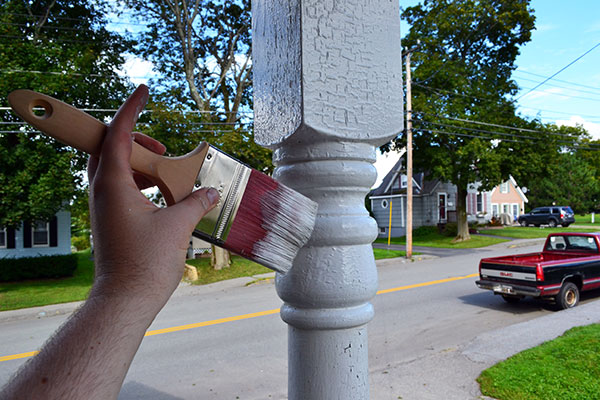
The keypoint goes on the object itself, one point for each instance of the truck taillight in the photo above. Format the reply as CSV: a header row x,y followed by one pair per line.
x,y
539,273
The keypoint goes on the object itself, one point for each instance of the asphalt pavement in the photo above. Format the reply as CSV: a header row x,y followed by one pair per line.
x,y
447,374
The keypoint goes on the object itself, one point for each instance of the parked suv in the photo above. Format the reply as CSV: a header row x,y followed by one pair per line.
x,y
553,216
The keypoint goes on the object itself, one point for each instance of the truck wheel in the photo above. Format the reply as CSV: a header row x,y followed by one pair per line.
x,y
565,225
552,223
511,299
524,222
568,297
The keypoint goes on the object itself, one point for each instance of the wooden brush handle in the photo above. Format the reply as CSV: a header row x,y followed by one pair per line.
x,y
175,177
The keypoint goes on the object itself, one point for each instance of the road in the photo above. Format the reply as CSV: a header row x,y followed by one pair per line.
x,y
226,340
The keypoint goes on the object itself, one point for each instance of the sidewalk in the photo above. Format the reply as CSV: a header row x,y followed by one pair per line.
x,y
451,374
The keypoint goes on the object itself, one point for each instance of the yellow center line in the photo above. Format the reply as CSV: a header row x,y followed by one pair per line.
x,y
251,315
416,285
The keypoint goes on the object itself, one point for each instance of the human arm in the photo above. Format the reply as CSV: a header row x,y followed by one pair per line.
x,y
139,259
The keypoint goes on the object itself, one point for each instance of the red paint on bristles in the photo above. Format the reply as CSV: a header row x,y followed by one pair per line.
x,y
272,223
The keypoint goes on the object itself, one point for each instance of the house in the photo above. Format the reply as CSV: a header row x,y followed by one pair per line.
x,y
508,198
41,238
434,202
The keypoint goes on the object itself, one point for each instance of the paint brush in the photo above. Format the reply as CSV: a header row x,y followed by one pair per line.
x,y
256,217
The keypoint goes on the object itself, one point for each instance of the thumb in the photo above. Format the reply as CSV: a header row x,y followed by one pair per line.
x,y
195,206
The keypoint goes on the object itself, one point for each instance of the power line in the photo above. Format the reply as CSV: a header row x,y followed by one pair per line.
x,y
113,110
559,80
597,92
507,134
496,125
492,138
559,71
441,91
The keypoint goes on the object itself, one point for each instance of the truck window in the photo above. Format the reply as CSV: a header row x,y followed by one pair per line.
x,y
556,243
581,243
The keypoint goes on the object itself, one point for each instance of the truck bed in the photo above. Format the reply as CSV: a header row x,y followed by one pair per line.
x,y
533,259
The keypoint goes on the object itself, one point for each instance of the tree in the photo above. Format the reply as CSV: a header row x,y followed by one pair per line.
x,y
570,182
202,50
462,72
60,48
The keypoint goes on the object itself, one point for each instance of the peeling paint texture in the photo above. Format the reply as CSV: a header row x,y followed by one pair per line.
x,y
327,92
333,66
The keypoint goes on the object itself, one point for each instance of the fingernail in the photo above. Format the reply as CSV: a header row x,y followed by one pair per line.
x,y
213,195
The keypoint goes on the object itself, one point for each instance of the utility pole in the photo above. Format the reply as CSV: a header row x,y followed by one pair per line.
x,y
409,160
409,172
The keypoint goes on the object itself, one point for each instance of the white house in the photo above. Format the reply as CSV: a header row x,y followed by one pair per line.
x,y
40,238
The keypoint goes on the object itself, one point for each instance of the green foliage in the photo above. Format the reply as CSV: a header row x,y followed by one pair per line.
x,y
17,269
202,50
565,368
60,48
557,185
462,71
80,242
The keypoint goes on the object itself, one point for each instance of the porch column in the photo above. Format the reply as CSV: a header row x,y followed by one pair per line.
x,y
327,92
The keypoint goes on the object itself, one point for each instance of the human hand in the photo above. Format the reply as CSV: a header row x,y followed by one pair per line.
x,y
140,249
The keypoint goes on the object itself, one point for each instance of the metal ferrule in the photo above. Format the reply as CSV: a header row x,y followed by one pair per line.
x,y
229,177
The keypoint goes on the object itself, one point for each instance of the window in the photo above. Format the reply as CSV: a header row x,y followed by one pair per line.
x,y
3,238
505,209
384,203
479,202
504,187
40,233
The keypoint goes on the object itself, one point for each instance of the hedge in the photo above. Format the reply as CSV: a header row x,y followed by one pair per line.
x,y
43,267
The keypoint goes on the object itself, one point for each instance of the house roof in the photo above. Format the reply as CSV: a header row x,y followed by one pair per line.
x,y
420,184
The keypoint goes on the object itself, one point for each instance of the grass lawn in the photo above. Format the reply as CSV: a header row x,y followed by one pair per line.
x,y
586,220
566,368
530,232
434,239
15,295
241,267
384,253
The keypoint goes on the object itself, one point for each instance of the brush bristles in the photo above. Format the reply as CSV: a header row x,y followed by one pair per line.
x,y
272,223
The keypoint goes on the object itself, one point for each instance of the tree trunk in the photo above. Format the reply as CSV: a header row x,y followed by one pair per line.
x,y
219,258
461,215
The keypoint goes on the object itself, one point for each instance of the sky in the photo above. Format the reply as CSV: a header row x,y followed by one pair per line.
x,y
565,30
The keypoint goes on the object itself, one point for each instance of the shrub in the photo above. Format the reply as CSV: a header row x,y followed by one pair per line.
x,y
451,229
81,242
43,267
425,230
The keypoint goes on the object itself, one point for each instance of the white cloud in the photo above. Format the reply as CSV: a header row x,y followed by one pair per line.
x,y
137,69
591,127
540,94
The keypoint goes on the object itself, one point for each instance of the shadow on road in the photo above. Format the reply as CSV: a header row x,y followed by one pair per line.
x,y
136,390
490,301
494,302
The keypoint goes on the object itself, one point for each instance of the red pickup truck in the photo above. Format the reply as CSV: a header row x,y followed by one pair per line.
x,y
568,265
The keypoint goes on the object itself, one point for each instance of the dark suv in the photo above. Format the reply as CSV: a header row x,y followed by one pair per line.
x,y
553,216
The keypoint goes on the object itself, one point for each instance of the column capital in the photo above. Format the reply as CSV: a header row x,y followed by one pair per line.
x,y
326,69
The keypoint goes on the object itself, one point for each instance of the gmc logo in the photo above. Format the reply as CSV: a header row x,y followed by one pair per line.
x,y
509,274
